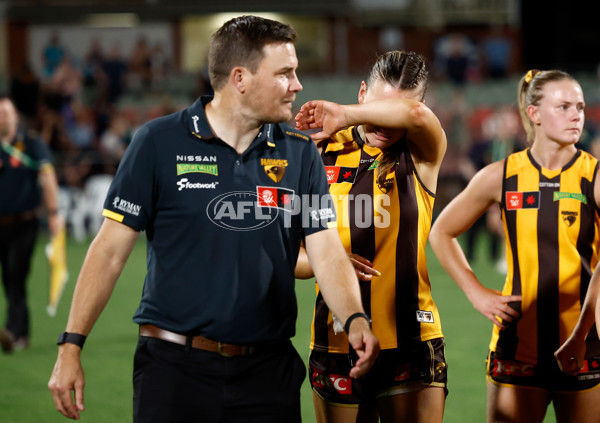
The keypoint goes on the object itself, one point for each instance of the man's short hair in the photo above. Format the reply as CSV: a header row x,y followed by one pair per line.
x,y
240,42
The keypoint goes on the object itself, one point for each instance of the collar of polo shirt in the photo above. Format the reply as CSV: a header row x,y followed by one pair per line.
x,y
198,124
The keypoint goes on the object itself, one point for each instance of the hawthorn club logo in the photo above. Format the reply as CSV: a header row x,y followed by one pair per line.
x,y
274,168
569,217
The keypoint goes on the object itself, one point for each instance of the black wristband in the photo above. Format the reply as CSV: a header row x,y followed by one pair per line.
x,y
354,316
71,338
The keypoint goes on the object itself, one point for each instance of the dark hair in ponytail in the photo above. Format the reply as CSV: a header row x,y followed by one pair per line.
x,y
404,71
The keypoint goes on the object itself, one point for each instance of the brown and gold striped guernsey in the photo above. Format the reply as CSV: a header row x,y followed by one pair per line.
x,y
551,224
391,230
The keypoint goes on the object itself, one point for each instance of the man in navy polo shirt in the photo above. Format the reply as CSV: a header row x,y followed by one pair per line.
x,y
226,193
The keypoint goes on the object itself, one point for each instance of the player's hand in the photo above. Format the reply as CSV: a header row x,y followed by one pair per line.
x,y
364,268
495,306
366,346
67,382
570,356
321,114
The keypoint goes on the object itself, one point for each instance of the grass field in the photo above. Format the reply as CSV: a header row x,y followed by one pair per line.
x,y
108,355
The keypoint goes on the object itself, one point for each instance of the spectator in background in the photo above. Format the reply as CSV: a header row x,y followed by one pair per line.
x,y
496,50
116,70
115,139
161,65
95,81
25,89
52,55
140,66
455,58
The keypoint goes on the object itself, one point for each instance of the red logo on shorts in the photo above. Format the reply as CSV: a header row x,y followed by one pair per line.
x,y
342,384
511,368
402,373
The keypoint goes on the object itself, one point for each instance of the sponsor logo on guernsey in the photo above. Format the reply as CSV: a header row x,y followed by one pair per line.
x,y
569,217
195,158
569,195
424,316
126,206
274,168
516,200
183,168
275,197
549,185
374,165
338,174
184,183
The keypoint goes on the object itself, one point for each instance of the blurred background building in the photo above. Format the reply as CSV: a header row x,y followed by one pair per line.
x,y
86,73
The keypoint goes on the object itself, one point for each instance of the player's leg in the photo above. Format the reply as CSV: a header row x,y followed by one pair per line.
x,y
337,397
580,406
327,412
516,404
422,406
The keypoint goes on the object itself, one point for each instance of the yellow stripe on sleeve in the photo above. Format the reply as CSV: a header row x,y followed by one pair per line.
x,y
112,215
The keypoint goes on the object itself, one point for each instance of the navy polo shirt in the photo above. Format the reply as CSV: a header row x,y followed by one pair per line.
x,y
223,229
20,164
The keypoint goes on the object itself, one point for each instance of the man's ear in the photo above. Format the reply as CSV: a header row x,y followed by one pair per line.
x,y
237,77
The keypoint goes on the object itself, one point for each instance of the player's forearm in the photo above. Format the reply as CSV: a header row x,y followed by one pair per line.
x,y
452,258
392,113
589,308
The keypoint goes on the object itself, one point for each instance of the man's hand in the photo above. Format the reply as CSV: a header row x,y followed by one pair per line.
x,y
67,382
366,346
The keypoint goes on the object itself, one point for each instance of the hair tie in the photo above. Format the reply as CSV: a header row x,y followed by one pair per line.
x,y
531,74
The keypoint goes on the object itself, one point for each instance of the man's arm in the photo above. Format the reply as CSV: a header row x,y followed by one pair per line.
x,y
101,268
339,286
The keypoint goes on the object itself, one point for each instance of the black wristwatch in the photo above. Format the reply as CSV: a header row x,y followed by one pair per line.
x,y
354,316
71,338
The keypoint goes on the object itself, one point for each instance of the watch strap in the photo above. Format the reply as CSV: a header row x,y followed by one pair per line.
x,y
71,338
354,316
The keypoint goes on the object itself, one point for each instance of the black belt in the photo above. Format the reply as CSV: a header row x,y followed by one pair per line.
x,y
203,343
